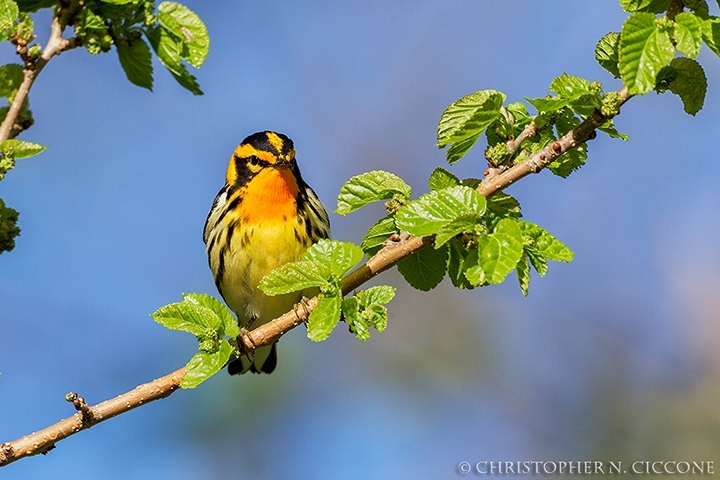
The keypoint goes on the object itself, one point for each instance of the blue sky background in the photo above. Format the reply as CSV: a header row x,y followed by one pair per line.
x,y
611,357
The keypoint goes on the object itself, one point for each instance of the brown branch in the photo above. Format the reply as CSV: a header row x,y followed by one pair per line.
x,y
33,66
44,440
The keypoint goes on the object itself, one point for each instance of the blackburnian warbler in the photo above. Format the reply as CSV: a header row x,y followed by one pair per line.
x,y
264,216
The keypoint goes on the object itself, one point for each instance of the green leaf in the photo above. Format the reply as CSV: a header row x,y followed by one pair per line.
x,y
351,313
500,204
711,34
366,308
337,257
538,262
228,323
324,317
294,276
378,234
688,34
699,7
20,149
8,227
575,92
570,86
119,2
458,253
204,365
522,269
464,120
11,76
425,268
464,223
549,103
188,316
609,128
168,50
546,244
502,252
458,149
136,61
35,5
690,84
379,294
370,187
189,28
441,178
606,53
652,6
429,213
8,14
644,50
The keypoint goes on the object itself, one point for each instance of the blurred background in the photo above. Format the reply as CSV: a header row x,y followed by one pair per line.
x,y
611,357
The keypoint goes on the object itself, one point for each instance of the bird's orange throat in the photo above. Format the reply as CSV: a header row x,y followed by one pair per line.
x,y
270,197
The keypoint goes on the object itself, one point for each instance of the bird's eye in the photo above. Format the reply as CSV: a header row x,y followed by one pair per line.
x,y
255,161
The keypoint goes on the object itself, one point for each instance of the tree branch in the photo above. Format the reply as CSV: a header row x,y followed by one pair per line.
x,y
45,440
33,66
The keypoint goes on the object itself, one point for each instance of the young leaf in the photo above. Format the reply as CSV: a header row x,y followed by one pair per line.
x,y
458,253
351,313
538,262
187,316
711,34
652,6
168,50
441,178
337,257
463,223
370,187
295,276
522,269
20,149
228,323
204,365
136,61
606,53
8,14
324,317
464,120
458,149
688,34
425,268
644,50
546,244
187,26
502,205
429,213
378,234
366,307
11,76
379,294
502,252
690,84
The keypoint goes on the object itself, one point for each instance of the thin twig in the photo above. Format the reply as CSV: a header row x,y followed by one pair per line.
x,y
44,440
56,45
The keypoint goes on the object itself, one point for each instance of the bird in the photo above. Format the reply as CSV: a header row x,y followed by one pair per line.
x,y
263,217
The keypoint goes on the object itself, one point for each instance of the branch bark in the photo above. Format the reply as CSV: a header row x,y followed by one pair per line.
x,y
44,440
